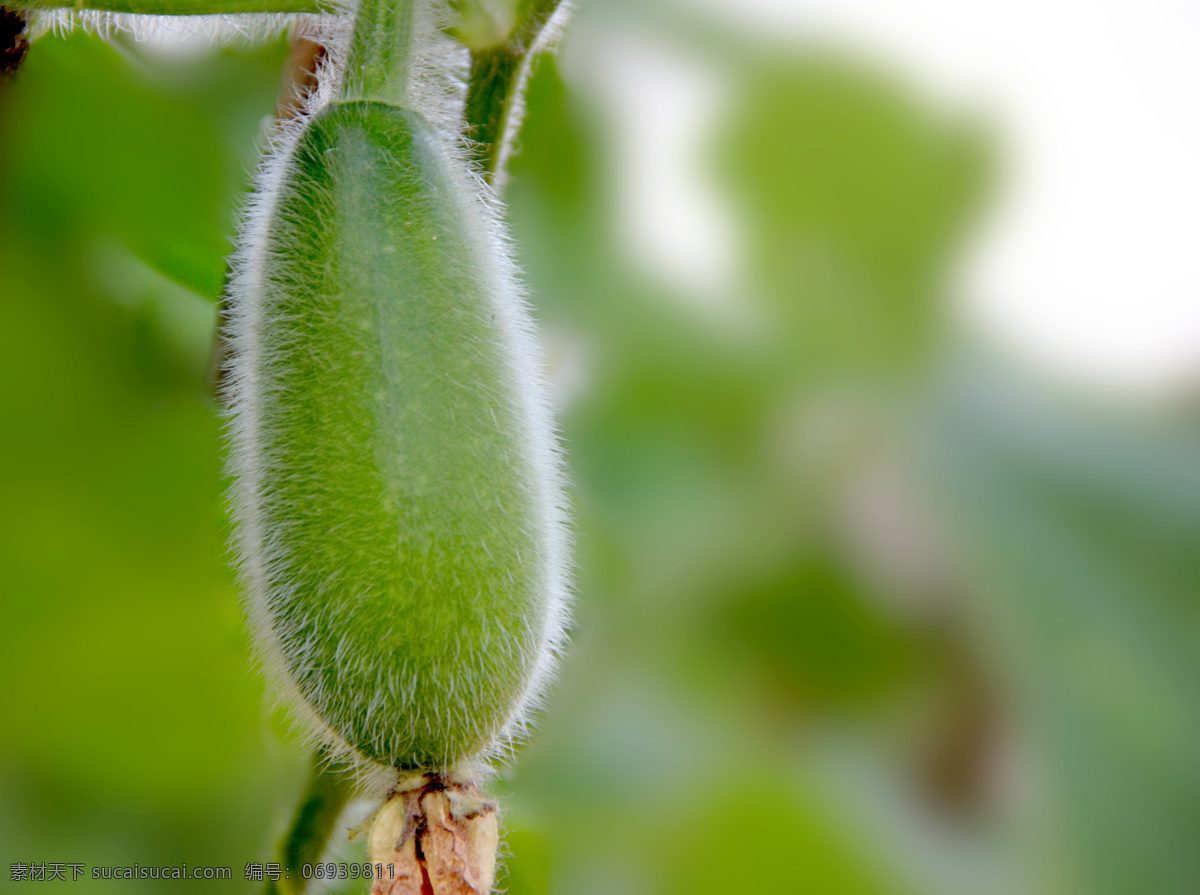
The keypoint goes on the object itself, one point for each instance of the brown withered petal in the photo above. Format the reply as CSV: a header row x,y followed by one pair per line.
x,y
439,839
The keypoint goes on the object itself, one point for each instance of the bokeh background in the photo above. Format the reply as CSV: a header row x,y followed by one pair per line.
x,y
874,335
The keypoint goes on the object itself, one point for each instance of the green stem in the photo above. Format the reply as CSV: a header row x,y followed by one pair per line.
x,y
380,52
327,794
498,75
187,7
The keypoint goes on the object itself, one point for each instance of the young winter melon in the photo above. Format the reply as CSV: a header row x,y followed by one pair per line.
x,y
397,494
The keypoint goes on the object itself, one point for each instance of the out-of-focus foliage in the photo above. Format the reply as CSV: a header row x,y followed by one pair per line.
x,y
854,200
133,728
797,666
1079,527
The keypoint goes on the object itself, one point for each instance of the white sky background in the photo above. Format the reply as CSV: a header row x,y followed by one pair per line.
x,y
1089,260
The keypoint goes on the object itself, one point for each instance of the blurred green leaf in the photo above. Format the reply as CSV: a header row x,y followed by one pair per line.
x,y
1081,527
811,634
759,835
854,195
155,161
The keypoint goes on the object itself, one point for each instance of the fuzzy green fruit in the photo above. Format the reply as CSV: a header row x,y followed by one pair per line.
x,y
396,481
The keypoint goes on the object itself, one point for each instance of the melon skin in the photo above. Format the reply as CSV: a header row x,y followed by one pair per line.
x,y
397,488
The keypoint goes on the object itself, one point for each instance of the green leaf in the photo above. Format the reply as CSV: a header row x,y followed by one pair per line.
x,y
854,194
152,161
1081,527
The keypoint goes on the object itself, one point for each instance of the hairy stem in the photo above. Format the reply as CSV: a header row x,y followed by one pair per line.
x,y
188,7
498,75
380,52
